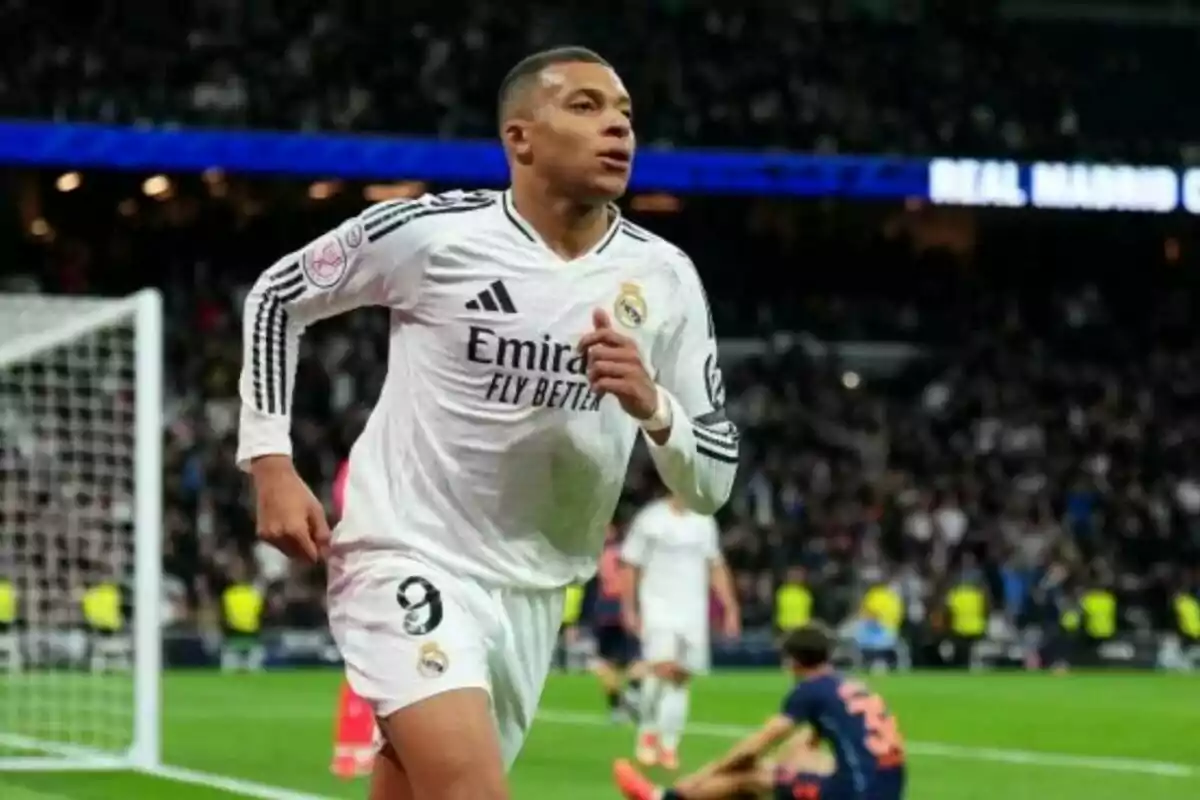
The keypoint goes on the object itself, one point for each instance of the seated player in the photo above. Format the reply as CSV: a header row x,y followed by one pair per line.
x,y
868,753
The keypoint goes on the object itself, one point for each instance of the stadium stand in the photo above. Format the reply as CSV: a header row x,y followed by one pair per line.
x,y
905,76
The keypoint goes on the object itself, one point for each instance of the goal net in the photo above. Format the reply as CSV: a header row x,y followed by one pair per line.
x,y
80,531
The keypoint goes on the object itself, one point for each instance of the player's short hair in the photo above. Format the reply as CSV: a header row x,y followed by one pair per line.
x,y
531,66
810,645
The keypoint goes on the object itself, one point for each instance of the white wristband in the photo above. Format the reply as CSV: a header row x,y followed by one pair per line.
x,y
660,420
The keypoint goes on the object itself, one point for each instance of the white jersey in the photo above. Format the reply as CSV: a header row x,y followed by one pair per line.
x,y
486,453
675,549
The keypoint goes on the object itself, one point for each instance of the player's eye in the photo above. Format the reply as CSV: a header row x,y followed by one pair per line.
x,y
582,105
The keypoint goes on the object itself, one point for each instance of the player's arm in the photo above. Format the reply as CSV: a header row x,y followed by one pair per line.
x,y
376,258
751,748
634,553
696,453
722,583
682,408
721,580
362,262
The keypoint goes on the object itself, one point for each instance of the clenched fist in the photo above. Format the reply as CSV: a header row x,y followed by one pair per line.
x,y
289,516
614,367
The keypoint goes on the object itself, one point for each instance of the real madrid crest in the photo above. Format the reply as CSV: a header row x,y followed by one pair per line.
x,y
431,661
630,308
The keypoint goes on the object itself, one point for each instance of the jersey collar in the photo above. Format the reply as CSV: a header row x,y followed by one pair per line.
x,y
510,211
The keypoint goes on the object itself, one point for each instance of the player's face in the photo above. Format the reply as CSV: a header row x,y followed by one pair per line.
x,y
581,136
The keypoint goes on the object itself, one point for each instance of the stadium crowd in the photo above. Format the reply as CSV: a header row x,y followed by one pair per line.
x,y
1012,429
926,396
905,76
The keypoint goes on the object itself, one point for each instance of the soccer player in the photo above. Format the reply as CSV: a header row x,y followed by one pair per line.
x,y
868,752
535,335
616,648
674,559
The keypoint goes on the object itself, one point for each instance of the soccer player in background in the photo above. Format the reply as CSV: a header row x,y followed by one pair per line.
x,y
868,752
673,555
535,335
616,647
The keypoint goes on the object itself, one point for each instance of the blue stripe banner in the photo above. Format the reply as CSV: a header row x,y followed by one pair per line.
x,y
950,181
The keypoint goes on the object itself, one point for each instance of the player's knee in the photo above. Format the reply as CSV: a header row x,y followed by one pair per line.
x,y
808,760
447,747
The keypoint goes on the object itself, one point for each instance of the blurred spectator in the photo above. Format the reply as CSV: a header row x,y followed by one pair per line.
x,y
935,76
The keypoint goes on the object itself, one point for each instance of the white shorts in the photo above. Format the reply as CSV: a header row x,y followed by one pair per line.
x,y
408,631
687,646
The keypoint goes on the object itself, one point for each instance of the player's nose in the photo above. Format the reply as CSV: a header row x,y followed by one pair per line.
x,y
618,126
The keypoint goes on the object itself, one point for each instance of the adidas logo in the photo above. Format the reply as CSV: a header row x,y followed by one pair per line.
x,y
493,298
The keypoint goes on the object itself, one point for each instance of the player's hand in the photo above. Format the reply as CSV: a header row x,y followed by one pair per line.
x,y
615,367
289,516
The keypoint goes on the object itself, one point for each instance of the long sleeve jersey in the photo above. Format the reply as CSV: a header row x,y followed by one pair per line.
x,y
487,453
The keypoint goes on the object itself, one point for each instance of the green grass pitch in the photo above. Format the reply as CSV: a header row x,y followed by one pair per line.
x,y
971,737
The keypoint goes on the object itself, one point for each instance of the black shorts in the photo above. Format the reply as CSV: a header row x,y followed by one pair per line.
x,y
615,645
806,786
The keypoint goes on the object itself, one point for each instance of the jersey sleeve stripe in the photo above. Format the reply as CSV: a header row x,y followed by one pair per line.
x,y
715,455
277,371
269,342
384,207
713,419
289,295
715,437
270,347
286,276
290,283
284,375
715,442
405,218
256,377
283,271
724,429
385,216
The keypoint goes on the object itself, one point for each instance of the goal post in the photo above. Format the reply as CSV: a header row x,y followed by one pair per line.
x,y
81,427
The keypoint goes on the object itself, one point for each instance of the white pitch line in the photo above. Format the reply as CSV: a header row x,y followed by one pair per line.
x,y
934,749
84,760
258,791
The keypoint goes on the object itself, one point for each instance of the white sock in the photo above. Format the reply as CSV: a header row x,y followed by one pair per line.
x,y
652,688
672,715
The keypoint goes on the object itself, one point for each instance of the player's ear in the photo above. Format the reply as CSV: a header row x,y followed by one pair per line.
x,y
515,134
